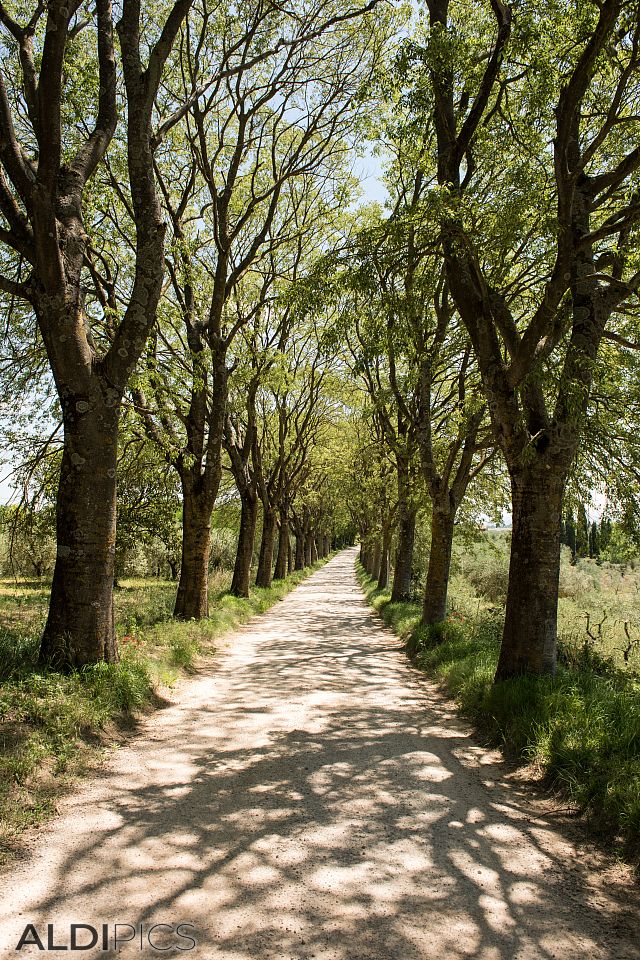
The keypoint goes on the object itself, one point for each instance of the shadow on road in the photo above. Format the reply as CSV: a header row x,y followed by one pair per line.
x,y
311,798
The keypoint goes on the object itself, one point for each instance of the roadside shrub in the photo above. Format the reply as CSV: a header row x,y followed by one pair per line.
x,y
119,687
184,650
223,549
488,572
436,634
576,579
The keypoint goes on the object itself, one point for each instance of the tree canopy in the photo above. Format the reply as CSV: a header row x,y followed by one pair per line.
x,y
204,312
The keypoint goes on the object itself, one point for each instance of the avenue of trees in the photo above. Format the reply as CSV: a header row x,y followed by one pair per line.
x,y
201,311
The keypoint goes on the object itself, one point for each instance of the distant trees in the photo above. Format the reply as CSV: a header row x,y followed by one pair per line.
x,y
578,534
224,110
615,541
249,188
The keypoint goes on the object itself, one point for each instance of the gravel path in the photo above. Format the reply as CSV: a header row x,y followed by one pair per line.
x,y
312,796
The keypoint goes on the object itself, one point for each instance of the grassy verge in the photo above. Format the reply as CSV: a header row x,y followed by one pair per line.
x,y
54,726
580,730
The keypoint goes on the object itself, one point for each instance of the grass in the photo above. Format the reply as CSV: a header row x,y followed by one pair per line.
x,y
579,730
55,726
599,601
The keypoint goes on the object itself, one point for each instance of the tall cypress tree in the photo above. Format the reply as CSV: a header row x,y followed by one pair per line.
x,y
594,540
570,533
605,533
582,532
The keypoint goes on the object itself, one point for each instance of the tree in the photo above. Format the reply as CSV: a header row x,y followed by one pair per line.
x,y
295,410
417,367
594,541
264,151
48,155
606,529
570,533
536,329
582,532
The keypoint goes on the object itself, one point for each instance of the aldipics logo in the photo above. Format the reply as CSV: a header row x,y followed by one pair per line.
x,y
163,937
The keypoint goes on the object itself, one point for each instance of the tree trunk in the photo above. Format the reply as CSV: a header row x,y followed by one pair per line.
x,y
326,549
265,561
283,547
383,575
192,600
299,558
80,626
434,606
244,551
307,549
530,628
289,556
173,567
375,559
314,550
401,589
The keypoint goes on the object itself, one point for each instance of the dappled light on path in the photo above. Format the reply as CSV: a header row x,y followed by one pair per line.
x,y
311,796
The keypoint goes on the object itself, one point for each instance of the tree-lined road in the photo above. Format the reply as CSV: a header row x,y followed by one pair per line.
x,y
309,795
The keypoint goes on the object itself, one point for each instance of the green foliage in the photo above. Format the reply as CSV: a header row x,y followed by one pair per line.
x,y
485,564
620,547
27,540
148,534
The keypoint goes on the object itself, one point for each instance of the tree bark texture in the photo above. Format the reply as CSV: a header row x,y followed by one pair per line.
x,y
401,588
375,559
282,557
244,552
385,558
434,606
80,625
265,561
192,600
530,629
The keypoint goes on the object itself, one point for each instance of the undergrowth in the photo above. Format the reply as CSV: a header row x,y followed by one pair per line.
x,y
53,726
579,729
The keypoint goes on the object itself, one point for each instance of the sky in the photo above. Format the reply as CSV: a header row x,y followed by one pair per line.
x,y
369,172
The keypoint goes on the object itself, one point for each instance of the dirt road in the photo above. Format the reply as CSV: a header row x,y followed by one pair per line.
x,y
309,795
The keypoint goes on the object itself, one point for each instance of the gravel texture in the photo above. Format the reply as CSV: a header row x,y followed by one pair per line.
x,y
310,795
